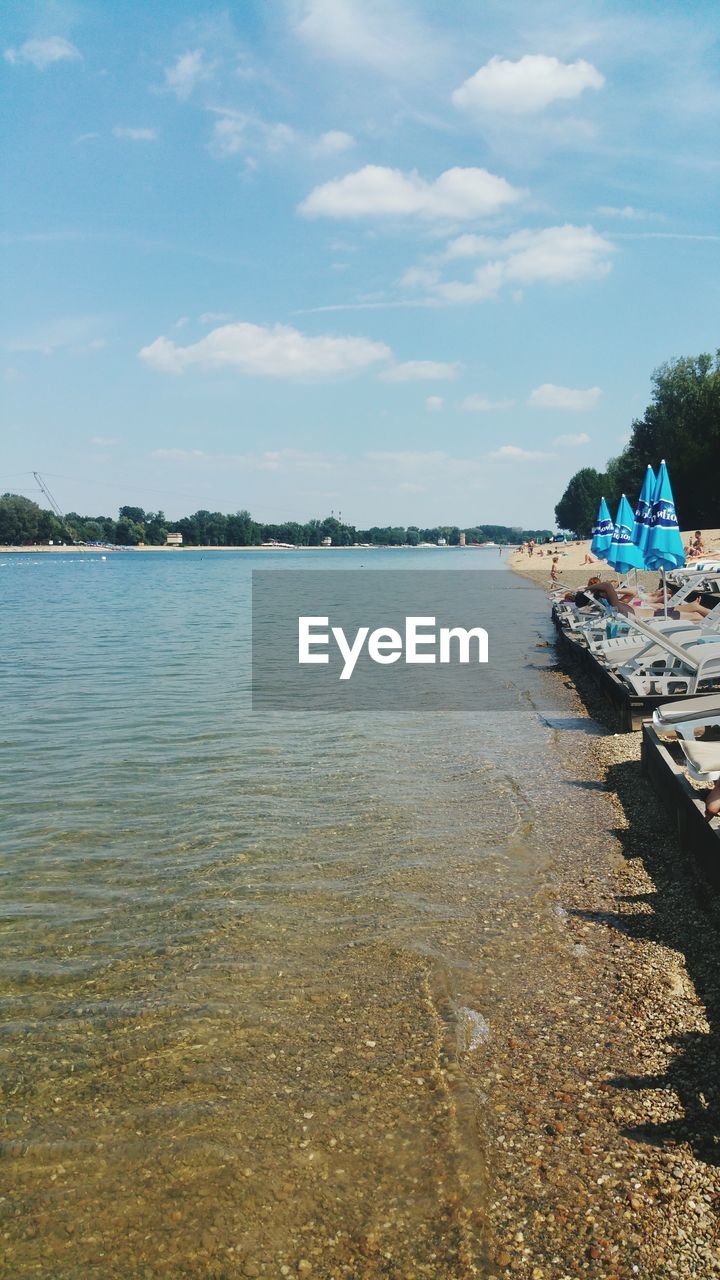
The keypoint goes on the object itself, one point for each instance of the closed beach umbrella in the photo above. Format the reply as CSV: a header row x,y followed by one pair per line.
x,y
602,532
664,548
623,554
643,510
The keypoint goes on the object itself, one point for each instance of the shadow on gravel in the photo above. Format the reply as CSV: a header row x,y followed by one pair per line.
x,y
578,679
686,919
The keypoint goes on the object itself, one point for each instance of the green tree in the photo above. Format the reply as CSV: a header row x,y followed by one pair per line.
x,y
682,425
128,533
136,514
19,520
578,506
156,528
242,531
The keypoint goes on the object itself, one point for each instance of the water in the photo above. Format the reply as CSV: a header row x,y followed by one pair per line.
x,y
250,964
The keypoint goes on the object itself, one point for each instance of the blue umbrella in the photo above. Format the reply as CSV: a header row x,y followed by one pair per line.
x,y
602,532
641,527
664,548
623,554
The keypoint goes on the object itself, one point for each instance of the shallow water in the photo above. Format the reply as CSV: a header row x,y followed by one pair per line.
x,y
248,959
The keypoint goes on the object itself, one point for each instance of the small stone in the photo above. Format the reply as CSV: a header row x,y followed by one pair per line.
x,y
304,1267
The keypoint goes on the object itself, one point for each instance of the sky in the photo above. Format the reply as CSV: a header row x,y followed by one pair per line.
x,y
407,262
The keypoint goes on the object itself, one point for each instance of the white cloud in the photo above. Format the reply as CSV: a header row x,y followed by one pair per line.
x,y
333,143
421,371
512,453
178,455
237,131
434,404
526,86
410,458
628,212
572,441
77,334
270,460
135,135
186,73
550,396
481,404
43,53
365,33
277,351
552,254
214,317
378,191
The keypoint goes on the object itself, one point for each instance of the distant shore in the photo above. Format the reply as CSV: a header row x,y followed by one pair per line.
x,y
103,550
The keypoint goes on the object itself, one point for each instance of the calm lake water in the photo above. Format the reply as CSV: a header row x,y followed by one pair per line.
x,y
250,962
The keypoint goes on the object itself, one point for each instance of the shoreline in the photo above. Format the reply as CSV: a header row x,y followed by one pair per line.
x,y
43,550
609,1154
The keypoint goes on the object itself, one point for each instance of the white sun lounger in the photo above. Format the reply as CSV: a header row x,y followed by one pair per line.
x,y
680,668
683,718
614,650
706,565
702,759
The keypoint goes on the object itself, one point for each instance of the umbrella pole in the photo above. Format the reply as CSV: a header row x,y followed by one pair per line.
x,y
664,592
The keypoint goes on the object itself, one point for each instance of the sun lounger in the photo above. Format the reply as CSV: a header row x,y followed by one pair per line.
x,y
689,668
706,565
613,650
629,642
684,718
703,760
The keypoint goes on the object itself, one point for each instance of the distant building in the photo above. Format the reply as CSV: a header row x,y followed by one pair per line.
x,y
173,540
326,542
462,539
442,542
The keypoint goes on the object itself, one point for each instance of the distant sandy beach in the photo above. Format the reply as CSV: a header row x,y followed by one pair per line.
x,y
572,554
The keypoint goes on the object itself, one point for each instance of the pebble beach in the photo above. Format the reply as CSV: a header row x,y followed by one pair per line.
x,y
607,1130
608,1155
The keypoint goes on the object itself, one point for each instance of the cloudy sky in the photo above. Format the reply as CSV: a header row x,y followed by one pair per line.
x,y
407,261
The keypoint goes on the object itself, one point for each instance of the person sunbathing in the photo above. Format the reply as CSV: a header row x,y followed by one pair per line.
x,y
692,608
627,602
595,589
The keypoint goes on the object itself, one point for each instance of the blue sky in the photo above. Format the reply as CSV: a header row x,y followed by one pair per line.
x,y
410,262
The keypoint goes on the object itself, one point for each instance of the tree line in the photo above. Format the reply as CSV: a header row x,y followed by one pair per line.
x,y
682,425
24,523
